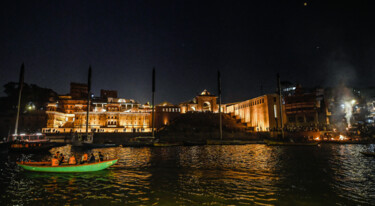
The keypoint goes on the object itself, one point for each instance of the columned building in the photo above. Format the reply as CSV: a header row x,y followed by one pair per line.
x,y
107,113
114,115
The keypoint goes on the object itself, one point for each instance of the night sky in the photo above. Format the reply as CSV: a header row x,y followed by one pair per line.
x,y
317,44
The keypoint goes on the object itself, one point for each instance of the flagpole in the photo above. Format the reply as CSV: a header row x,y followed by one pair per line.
x,y
153,103
281,106
88,100
20,86
220,118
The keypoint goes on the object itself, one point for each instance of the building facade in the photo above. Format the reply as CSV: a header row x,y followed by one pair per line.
x,y
165,113
113,115
204,102
258,114
306,109
107,113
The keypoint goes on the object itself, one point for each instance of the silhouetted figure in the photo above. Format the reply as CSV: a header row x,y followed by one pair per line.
x,y
61,158
92,158
101,157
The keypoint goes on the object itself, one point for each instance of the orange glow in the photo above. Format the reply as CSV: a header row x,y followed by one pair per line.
x,y
341,138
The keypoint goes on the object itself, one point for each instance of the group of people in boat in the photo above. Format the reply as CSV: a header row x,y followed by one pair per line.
x,y
59,159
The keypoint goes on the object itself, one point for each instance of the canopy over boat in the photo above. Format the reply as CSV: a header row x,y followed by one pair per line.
x,y
46,166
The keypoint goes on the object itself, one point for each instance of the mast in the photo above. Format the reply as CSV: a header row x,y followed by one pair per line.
x,y
88,100
153,105
280,103
20,86
219,89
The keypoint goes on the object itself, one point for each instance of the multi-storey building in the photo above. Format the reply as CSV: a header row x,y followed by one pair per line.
x,y
306,108
258,114
165,113
113,115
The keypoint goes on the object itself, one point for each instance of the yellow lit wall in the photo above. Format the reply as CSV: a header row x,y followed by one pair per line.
x,y
257,113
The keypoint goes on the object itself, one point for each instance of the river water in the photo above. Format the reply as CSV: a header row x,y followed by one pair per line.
x,y
255,174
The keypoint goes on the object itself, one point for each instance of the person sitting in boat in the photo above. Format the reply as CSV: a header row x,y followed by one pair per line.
x,y
57,155
72,160
61,158
101,157
92,158
85,157
54,162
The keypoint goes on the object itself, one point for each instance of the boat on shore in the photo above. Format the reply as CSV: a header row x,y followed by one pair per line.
x,y
194,143
82,139
141,141
282,143
167,144
46,166
224,142
369,154
29,143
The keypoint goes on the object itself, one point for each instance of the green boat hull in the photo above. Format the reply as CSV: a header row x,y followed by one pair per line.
x,y
91,167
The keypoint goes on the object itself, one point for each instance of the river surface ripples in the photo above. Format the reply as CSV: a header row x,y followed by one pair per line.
x,y
201,175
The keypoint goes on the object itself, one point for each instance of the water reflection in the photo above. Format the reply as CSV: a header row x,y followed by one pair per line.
x,y
246,174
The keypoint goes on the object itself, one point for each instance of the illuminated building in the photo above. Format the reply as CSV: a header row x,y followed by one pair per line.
x,y
165,113
204,102
107,114
258,114
113,115
306,108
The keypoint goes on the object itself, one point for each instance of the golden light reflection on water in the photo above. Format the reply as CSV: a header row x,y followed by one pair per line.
x,y
221,175
238,168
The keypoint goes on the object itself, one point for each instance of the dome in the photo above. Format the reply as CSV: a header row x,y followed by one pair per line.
x,y
205,92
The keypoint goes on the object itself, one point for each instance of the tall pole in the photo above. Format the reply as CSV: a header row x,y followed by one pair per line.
x,y
20,86
88,100
281,105
219,89
153,101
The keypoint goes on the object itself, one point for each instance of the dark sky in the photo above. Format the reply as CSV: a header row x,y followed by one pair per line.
x,y
187,42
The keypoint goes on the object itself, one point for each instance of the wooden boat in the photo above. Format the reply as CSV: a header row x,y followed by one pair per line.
x,y
167,144
280,143
194,143
369,154
46,166
29,143
82,139
142,141
231,142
